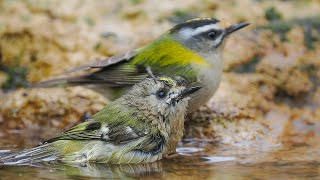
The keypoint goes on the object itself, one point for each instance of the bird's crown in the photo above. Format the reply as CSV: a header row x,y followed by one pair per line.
x,y
168,81
195,23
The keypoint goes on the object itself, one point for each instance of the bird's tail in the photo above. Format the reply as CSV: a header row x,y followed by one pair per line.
x,y
98,85
73,81
42,153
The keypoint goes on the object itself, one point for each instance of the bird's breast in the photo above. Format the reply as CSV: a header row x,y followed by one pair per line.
x,y
209,79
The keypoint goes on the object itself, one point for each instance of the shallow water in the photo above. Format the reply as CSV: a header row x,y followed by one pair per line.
x,y
197,159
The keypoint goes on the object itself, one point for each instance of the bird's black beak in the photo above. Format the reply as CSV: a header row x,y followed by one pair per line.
x,y
187,92
236,27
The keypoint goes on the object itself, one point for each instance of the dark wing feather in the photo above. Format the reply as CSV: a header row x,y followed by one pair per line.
x,y
113,133
107,62
117,134
118,76
112,72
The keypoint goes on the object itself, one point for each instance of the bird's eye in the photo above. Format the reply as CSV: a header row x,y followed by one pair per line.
x,y
212,35
161,93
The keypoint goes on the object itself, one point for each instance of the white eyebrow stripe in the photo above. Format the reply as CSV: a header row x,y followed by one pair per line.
x,y
205,28
186,33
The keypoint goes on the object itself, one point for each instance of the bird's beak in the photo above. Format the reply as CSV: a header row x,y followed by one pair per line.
x,y
187,92
235,27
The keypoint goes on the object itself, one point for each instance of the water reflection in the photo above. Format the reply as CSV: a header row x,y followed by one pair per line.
x,y
216,159
195,160
176,168
188,151
111,171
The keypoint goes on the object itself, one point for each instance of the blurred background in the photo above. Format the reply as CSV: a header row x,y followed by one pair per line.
x,y
269,94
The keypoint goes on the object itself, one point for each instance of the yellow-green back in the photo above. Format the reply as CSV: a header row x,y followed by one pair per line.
x,y
167,56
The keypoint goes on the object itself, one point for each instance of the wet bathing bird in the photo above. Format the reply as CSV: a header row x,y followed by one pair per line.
x,y
191,51
143,125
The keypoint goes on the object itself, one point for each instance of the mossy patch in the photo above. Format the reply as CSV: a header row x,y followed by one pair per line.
x,y
16,77
272,14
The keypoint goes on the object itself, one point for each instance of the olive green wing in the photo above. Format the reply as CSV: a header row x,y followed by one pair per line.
x,y
122,58
115,71
119,75
116,134
158,58
112,133
116,124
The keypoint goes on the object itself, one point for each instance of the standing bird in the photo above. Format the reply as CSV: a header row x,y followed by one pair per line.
x,y
191,51
144,125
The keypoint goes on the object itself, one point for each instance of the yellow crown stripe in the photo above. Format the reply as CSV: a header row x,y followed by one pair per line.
x,y
200,19
167,80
